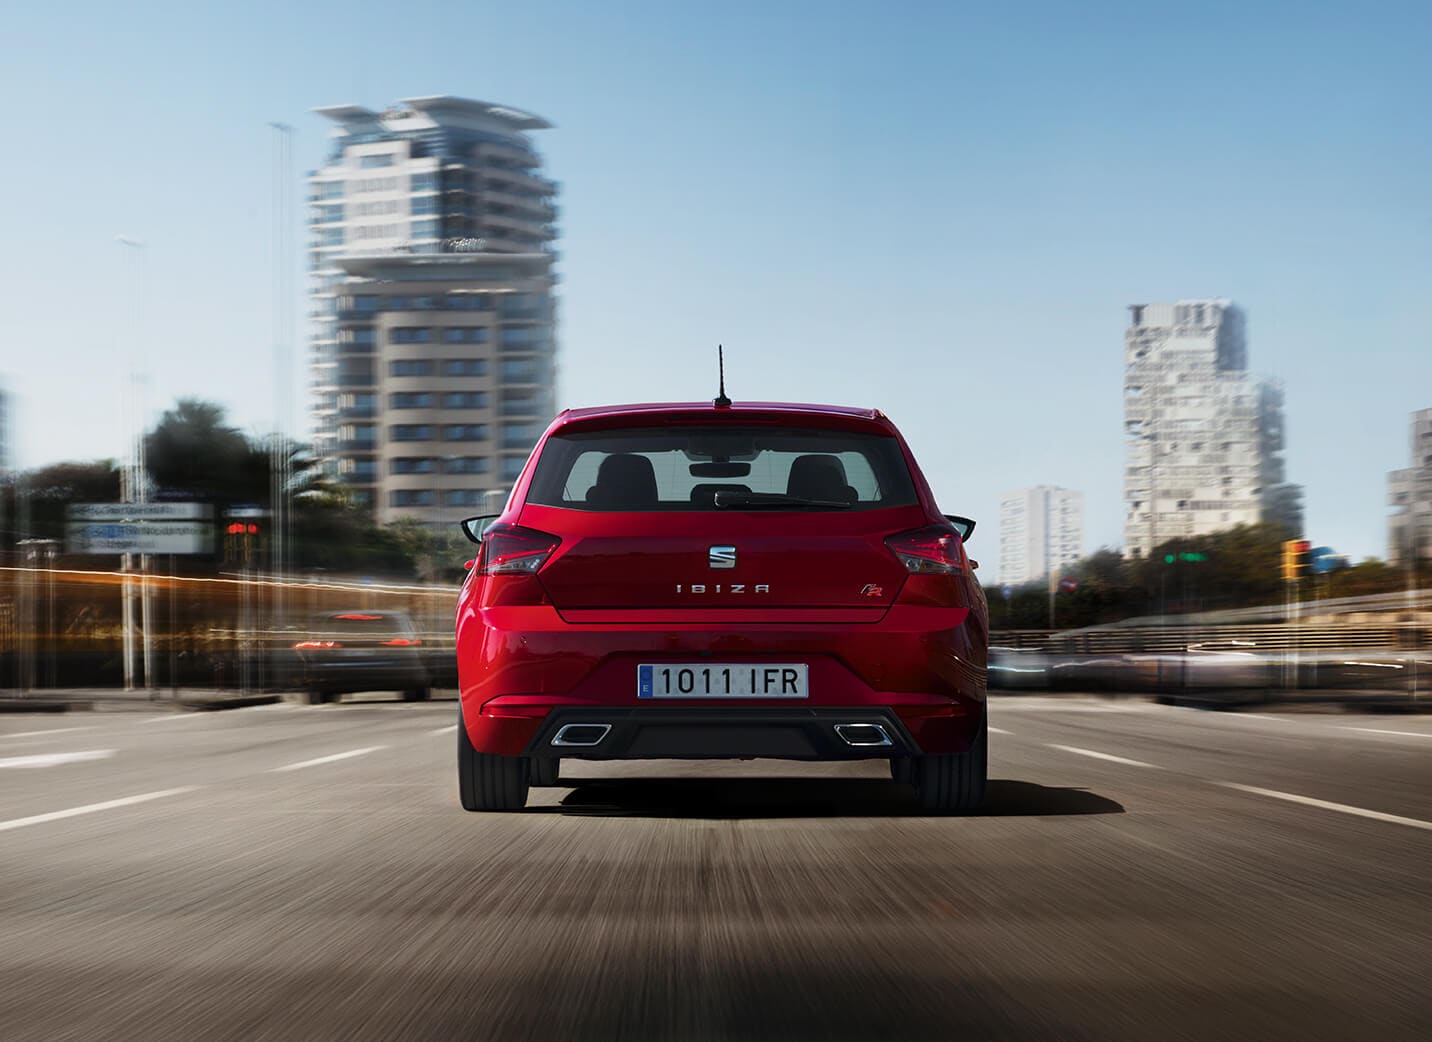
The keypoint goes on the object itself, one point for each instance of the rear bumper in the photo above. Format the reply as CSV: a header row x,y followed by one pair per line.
x,y
343,677
525,725
524,671
675,733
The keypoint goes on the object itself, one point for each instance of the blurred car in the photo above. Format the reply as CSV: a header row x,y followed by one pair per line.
x,y
362,650
1018,668
721,581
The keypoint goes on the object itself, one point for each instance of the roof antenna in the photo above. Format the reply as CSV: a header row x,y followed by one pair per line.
x,y
721,401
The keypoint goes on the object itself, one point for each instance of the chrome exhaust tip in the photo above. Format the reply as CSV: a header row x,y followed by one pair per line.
x,y
863,735
581,734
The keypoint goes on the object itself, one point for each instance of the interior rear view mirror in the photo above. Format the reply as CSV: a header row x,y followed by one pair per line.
x,y
721,448
720,470
963,525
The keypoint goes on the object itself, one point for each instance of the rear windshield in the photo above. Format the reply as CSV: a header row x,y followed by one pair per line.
x,y
688,468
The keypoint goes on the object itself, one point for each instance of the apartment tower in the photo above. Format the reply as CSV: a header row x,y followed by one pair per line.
x,y
1204,436
432,316
1040,529
1410,493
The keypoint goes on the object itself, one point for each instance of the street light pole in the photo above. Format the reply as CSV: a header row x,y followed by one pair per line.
x,y
280,454
1412,627
132,485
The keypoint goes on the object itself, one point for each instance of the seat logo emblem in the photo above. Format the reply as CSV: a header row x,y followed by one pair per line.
x,y
721,557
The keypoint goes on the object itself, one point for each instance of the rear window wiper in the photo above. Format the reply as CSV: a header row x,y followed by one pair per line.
x,y
733,500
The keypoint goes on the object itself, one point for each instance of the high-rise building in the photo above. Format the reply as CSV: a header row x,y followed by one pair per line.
x,y
1410,492
445,373
1205,436
1040,529
432,317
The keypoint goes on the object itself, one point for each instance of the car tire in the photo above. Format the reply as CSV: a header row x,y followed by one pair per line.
x,y
954,783
416,694
902,769
545,770
315,697
486,781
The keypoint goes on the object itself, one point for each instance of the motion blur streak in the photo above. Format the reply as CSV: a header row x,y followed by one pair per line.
x,y
67,628
112,578
1088,900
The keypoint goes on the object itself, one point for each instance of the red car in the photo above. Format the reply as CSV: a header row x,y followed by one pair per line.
x,y
721,580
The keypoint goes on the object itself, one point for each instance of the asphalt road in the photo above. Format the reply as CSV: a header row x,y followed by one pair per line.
x,y
1139,872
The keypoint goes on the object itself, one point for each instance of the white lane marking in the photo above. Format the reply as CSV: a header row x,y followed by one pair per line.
x,y
91,808
1156,708
53,730
171,717
453,727
1099,756
992,730
330,759
55,759
1378,730
1343,808
1049,707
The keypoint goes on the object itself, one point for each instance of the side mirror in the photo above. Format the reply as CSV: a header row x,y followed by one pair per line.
x,y
963,525
473,527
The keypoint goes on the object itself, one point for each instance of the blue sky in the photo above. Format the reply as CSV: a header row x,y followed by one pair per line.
x,y
940,210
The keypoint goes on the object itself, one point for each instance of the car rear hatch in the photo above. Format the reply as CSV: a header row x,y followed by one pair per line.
x,y
735,524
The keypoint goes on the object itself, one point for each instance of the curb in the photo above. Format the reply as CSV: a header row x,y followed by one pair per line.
x,y
38,705
236,702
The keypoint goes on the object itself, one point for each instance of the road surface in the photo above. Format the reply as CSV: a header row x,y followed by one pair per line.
x,y
1139,872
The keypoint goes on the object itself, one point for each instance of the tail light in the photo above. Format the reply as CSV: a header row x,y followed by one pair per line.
x,y
402,642
514,550
318,644
935,550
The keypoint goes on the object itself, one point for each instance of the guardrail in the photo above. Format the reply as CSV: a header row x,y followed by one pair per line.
x,y
1223,672
1269,637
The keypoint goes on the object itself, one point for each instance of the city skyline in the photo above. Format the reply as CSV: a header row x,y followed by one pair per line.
x,y
1041,187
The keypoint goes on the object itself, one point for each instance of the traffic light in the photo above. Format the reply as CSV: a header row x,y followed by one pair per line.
x,y
239,539
1295,558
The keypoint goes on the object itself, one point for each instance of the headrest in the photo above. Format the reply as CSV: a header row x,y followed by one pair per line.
x,y
819,477
624,482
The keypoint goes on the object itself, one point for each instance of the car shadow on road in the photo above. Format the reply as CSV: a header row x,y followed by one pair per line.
x,y
727,798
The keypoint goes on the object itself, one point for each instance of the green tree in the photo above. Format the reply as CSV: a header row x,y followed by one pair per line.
x,y
193,452
437,555
37,500
1369,577
329,534
1236,568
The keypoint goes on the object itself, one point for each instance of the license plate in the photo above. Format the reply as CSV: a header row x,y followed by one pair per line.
x,y
728,680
